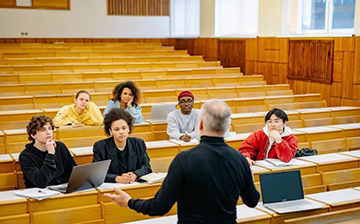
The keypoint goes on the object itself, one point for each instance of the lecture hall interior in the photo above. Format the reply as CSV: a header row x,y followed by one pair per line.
x,y
302,56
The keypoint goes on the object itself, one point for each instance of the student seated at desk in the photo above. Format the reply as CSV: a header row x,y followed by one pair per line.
x,y
275,140
183,124
126,95
44,161
82,113
129,159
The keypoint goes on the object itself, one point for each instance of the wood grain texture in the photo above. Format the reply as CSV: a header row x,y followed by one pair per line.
x,y
7,3
357,61
139,7
344,44
283,50
337,66
356,92
311,60
232,53
336,89
207,47
251,49
348,75
335,102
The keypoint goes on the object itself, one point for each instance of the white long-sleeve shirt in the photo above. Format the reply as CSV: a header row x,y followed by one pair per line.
x,y
178,124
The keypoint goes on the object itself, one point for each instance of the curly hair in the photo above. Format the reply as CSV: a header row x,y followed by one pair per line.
x,y
117,114
36,123
132,86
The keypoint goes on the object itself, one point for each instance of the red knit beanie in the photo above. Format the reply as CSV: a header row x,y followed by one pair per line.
x,y
185,93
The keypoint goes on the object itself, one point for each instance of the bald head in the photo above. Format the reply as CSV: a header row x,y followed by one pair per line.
x,y
215,118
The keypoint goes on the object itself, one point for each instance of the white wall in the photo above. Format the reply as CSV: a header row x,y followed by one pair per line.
x,y
87,18
207,18
270,17
357,18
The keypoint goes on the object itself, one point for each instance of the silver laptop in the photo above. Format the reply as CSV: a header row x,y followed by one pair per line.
x,y
84,177
159,112
282,192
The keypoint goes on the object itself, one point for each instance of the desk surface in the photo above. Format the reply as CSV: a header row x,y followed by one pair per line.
x,y
9,196
328,158
82,150
160,144
5,158
337,197
355,153
296,163
350,126
318,129
244,212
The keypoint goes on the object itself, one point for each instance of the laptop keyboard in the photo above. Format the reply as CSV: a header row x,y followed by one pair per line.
x,y
296,203
61,187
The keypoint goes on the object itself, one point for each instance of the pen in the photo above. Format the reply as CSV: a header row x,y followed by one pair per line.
x,y
41,191
186,133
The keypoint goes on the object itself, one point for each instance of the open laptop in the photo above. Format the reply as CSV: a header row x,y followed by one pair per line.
x,y
84,177
282,192
159,112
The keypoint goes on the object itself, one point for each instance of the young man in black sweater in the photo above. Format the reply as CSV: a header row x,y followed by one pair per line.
x,y
206,181
43,161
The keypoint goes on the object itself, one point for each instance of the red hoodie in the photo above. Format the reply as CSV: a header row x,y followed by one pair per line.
x,y
255,146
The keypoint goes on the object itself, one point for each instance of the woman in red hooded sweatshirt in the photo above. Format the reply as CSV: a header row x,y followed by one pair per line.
x,y
275,140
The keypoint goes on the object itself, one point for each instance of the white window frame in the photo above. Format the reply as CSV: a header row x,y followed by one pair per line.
x,y
298,29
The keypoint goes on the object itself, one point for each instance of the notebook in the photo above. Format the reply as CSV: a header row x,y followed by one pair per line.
x,y
153,178
36,193
282,192
159,112
84,177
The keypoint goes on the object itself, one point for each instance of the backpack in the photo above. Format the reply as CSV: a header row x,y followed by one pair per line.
x,y
306,152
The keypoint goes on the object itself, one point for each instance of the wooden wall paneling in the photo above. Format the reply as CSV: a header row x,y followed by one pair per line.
x,y
337,66
261,49
138,7
338,44
334,102
207,47
348,75
185,44
250,67
336,89
344,44
232,53
274,56
283,69
283,50
251,49
275,43
356,93
7,3
350,102
52,3
357,61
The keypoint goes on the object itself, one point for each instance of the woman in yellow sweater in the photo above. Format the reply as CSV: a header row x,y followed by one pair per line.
x,y
82,113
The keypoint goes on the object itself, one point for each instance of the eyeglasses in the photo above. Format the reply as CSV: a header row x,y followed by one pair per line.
x,y
186,101
276,122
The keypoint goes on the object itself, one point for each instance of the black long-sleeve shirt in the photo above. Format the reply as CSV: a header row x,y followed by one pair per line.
x,y
135,159
41,169
206,181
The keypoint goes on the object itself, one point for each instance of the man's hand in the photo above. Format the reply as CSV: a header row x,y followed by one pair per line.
x,y
185,138
275,135
122,199
133,177
250,161
125,178
50,146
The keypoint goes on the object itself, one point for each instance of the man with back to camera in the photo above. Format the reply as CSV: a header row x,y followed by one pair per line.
x,y
43,161
183,124
206,181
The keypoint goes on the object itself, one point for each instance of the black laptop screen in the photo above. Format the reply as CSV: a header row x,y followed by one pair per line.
x,y
281,186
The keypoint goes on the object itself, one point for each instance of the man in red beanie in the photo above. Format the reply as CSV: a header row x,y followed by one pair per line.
x,y
183,124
